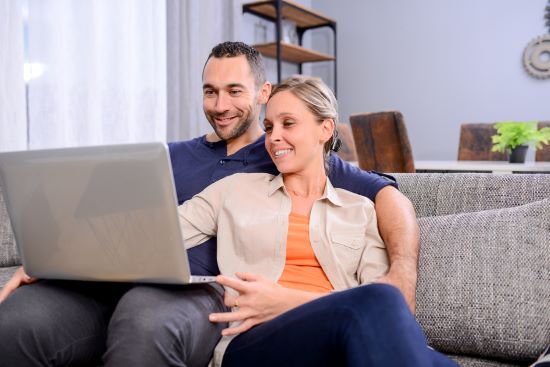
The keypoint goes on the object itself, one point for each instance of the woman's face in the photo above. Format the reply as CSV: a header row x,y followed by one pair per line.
x,y
294,137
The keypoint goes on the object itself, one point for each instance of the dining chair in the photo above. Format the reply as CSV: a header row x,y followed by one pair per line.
x,y
475,143
347,149
381,142
543,154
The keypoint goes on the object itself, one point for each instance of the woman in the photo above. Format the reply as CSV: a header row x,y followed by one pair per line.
x,y
300,241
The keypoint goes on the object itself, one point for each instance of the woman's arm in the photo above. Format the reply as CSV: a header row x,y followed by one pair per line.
x,y
257,300
198,216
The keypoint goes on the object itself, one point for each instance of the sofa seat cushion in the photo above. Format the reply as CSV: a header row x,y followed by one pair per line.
x,y
484,282
465,361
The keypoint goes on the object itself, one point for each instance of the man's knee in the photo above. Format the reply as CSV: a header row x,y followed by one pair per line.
x,y
154,312
22,318
25,331
163,323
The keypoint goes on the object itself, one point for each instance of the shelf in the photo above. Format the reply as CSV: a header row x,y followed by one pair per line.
x,y
302,16
292,53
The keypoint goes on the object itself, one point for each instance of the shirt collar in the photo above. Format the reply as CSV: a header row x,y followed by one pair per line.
x,y
329,194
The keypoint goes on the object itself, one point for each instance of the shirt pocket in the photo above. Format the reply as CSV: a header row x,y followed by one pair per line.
x,y
348,248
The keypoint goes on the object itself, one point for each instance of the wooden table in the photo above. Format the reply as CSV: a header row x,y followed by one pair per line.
x,y
481,166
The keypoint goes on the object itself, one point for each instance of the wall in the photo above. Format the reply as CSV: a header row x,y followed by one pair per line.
x,y
440,62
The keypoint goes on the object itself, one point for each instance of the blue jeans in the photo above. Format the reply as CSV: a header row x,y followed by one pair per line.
x,y
62,323
364,326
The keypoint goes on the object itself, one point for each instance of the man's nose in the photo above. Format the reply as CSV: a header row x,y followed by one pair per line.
x,y
222,102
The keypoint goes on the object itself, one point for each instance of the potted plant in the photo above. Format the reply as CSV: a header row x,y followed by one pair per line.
x,y
514,137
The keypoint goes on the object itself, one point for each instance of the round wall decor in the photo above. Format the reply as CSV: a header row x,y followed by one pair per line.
x,y
536,57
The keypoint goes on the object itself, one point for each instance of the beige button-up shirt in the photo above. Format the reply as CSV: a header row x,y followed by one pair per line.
x,y
248,212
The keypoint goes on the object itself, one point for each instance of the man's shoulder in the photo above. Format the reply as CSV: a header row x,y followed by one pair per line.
x,y
350,177
175,146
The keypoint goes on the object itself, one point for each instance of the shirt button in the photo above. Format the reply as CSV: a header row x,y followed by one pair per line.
x,y
222,162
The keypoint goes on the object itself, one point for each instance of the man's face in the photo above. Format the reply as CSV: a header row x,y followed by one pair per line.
x,y
230,99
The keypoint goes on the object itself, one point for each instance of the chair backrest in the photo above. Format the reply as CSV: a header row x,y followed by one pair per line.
x,y
381,142
347,150
475,143
543,155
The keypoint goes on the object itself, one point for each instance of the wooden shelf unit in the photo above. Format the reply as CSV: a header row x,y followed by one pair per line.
x,y
302,16
292,53
305,19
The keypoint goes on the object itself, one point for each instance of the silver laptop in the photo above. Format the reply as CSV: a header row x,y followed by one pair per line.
x,y
101,213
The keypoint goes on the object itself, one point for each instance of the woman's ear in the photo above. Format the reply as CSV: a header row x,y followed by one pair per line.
x,y
327,129
265,92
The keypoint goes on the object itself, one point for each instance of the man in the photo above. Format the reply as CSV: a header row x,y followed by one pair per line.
x,y
53,323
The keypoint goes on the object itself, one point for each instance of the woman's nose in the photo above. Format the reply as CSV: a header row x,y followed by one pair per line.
x,y
275,134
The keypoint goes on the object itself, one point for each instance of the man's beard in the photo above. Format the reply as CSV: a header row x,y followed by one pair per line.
x,y
242,126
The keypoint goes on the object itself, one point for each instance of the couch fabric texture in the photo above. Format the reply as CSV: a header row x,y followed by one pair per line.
x,y
484,269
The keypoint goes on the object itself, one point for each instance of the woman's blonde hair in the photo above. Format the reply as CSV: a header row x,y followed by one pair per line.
x,y
319,100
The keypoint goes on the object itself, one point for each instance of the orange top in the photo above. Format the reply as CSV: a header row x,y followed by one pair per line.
x,y
302,270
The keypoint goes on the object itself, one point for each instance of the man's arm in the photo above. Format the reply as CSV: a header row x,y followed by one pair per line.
x,y
399,230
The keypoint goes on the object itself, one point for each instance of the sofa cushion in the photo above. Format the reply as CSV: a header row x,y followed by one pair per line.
x,y
8,251
484,282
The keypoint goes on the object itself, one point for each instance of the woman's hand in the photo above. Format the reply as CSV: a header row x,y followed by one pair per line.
x,y
18,279
259,300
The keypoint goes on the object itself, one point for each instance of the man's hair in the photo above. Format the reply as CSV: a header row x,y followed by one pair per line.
x,y
234,49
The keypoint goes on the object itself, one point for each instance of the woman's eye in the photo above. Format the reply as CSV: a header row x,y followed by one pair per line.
x,y
287,123
268,129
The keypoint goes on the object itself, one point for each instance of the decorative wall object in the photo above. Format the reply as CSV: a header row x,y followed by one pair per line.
x,y
536,56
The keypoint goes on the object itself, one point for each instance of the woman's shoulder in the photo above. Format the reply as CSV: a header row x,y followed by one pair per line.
x,y
348,198
245,179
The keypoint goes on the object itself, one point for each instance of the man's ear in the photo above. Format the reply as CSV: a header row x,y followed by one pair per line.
x,y
327,129
265,92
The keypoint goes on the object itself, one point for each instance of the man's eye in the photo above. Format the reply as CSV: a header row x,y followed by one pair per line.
x,y
235,92
208,92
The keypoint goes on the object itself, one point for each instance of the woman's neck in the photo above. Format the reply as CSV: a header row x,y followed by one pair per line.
x,y
304,189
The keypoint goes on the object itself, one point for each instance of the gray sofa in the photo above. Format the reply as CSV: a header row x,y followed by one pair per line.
x,y
483,291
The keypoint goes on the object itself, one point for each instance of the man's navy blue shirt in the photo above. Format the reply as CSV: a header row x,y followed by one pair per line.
x,y
198,163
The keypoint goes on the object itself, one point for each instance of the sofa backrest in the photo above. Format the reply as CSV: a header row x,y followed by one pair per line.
x,y
8,250
451,193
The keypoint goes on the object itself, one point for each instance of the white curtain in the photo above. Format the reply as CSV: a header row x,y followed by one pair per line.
x,y
103,69
194,27
13,120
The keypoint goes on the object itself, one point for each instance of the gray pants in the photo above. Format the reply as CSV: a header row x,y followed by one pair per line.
x,y
63,323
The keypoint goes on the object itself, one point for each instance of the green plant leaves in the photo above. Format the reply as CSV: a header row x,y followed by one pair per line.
x,y
511,134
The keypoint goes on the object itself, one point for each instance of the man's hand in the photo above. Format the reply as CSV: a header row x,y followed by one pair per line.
x,y
405,281
18,279
258,300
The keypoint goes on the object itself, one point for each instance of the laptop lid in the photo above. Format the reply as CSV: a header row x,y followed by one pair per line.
x,y
99,213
